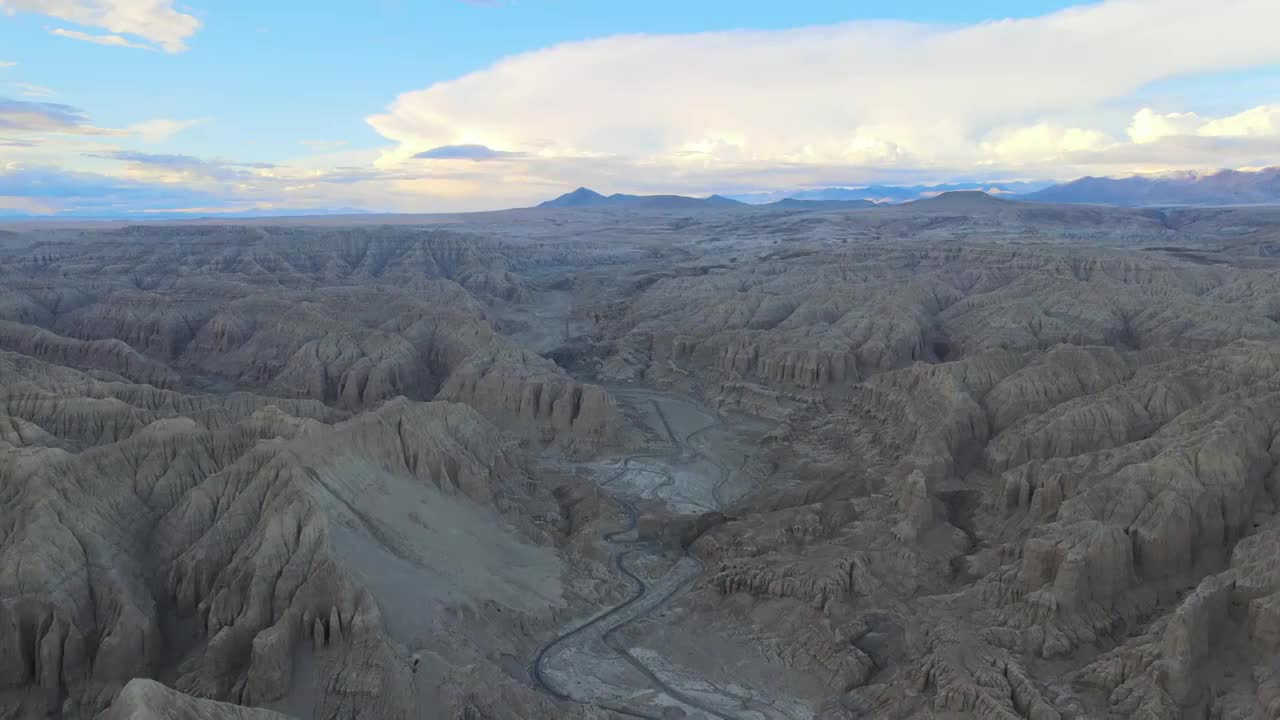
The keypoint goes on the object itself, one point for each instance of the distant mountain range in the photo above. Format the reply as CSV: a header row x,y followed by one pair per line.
x,y
961,201
1219,188
587,198
894,193
1225,187
834,198
819,204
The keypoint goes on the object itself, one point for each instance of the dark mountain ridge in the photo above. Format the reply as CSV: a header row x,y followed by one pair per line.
x,y
1222,188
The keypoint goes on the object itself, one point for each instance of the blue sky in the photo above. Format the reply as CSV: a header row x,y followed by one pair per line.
x,y
243,106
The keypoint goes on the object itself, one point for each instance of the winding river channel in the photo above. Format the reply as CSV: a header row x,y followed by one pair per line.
x,y
589,661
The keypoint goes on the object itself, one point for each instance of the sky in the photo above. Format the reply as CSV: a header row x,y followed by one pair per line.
x,y
153,107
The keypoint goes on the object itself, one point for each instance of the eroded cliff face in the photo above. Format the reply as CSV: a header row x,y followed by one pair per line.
x,y
350,318
1038,496
815,319
258,551
224,469
150,700
248,470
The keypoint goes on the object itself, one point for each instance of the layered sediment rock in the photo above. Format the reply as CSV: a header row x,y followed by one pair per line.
x,y
531,397
288,468
273,536
149,700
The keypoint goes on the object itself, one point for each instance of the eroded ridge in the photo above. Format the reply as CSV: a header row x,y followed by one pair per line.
x,y
989,461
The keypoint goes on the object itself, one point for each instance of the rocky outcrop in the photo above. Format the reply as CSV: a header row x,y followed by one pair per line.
x,y
273,536
814,319
149,700
821,579
349,318
161,324
532,397
350,373
1007,476
108,359
1069,450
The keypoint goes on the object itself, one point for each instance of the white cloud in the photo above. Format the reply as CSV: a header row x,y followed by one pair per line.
x,y
736,105
109,40
161,129
1262,121
155,21
5,65
46,117
1043,143
37,91
1258,122
1149,126
739,111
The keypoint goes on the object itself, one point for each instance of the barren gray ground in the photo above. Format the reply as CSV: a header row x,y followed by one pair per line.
x,y
960,458
689,468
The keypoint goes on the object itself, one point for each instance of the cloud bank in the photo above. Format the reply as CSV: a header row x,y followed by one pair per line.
x,y
828,103
44,117
154,21
1050,97
108,40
